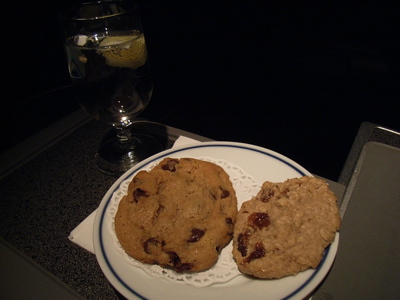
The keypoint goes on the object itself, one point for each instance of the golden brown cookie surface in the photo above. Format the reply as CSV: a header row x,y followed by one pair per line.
x,y
285,228
179,215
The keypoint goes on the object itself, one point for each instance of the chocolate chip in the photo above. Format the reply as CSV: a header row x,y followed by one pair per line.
x,y
139,193
225,193
183,268
229,221
151,245
176,262
213,197
159,210
173,258
170,165
196,235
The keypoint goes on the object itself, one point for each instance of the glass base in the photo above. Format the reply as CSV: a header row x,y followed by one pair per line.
x,y
115,158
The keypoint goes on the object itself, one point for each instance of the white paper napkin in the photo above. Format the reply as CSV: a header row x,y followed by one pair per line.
x,y
82,235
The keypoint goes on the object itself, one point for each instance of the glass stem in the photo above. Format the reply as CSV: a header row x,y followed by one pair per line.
x,y
124,134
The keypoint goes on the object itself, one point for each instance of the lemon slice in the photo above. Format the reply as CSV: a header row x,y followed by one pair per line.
x,y
124,51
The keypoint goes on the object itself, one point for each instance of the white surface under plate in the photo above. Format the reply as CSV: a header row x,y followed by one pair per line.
x,y
257,165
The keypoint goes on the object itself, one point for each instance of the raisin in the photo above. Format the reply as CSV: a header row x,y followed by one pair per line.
x,y
196,235
260,220
266,195
242,244
139,193
258,252
285,192
170,165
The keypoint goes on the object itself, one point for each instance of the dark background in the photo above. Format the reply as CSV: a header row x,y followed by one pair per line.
x,y
296,77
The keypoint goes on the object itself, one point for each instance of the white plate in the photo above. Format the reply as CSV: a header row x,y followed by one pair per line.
x,y
262,164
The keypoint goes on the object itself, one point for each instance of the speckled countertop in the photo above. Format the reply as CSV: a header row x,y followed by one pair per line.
x,y
50,195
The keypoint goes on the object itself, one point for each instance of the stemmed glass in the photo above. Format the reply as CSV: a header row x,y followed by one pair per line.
x,y
108,65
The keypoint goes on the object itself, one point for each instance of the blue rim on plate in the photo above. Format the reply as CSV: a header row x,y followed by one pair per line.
x,y
101,252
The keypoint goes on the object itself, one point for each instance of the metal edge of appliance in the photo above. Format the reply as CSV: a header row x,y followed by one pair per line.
x,y
367,164
368,132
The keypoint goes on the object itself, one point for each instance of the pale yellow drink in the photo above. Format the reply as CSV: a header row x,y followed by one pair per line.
x,y
111,73
124,51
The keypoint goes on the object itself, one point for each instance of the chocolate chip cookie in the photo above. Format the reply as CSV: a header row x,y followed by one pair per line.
x,y
285,228
179,215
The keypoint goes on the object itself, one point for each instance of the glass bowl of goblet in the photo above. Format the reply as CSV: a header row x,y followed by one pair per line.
x,y
109,68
